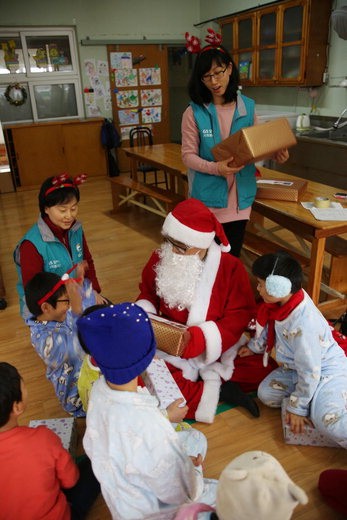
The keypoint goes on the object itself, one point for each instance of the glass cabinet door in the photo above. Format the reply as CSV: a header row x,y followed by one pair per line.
x,y
292,24
228,36
267,32
245,33
268,45
291,51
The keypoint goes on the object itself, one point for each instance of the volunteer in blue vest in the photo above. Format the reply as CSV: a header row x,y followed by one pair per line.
x,y
218,109
56,242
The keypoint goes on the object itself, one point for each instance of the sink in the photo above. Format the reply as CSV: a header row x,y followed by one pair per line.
x,y
332,135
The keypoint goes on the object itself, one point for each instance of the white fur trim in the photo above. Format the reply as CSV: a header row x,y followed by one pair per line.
x,y
147,306
226,248
191,237
213,341
206,410
202,296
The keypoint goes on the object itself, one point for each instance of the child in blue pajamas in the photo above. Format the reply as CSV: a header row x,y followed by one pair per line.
x,y
312,368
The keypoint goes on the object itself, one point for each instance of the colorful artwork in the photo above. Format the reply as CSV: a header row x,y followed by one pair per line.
x,y
121,60
150,76
127,99
102,68
128,117
151,115
89,67
125,77
151,97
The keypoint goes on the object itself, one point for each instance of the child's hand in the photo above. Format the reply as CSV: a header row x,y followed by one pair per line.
x,y
197,461
81,268
100,300
244,351
175,413
73,290
297,422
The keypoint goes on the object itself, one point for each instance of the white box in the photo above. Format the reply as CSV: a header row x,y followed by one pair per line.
x,y
310,436
64,427
159,382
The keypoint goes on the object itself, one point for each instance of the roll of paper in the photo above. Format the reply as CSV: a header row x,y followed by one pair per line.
x,y
322,202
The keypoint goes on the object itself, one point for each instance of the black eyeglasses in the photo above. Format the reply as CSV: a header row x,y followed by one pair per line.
x,y
180,248
207,78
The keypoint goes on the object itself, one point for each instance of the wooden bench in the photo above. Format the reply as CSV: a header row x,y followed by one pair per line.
x,y
259,245
127,191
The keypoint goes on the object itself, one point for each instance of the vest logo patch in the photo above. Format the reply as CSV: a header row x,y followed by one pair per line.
x,y
54,264
79,249
207,133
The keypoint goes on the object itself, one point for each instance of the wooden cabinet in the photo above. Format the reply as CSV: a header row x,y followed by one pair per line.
x,y
287,43
39,150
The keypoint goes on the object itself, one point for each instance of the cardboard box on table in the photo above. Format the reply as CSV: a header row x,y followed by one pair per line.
x,y
279,189
310,436
64,427
169,335
159,382
255,143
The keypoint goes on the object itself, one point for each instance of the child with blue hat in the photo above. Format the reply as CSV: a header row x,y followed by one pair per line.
x,y
144,466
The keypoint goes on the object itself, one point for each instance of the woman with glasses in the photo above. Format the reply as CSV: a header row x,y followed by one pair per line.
x,y
218,109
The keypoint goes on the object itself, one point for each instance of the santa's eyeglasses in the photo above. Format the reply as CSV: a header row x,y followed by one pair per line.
x,y
180,248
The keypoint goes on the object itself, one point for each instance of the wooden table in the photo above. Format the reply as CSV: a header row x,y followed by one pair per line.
x,y
294,217
166,157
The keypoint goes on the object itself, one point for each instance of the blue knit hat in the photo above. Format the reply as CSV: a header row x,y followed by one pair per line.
x,y
120,338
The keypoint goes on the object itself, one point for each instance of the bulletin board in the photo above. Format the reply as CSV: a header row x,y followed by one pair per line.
x,y
139,91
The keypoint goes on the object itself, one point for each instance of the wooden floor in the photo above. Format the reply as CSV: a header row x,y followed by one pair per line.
x,y
120,246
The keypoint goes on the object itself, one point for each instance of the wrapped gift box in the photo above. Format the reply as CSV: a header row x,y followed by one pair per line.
x,y
159,382
65,428
169,335
255,143
279,189
310,436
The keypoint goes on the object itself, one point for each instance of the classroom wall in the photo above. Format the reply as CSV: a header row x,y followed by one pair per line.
x,y
168,20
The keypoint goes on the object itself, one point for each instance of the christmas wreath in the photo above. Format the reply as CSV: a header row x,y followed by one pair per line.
x,y
15,94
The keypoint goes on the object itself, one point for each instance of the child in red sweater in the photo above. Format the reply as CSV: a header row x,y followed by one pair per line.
x,y
35,468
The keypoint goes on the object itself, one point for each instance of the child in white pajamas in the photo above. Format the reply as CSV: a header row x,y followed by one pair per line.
x,y
312,368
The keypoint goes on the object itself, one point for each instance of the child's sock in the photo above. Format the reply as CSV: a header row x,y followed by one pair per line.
x,y
232,394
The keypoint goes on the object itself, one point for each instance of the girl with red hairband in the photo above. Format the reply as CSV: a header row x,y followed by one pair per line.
x,y
57,241
218,109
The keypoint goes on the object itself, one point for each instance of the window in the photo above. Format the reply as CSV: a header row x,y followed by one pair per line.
x,y
39,75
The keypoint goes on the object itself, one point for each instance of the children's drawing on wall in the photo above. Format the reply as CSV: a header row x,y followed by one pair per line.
x,y
151,115
127,99
151,97
98,87
121,60
125,77
98,99
150,76
102,68
91,107
128,117
89,67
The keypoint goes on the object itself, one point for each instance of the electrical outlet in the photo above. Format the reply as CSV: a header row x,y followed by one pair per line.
x,y
325,77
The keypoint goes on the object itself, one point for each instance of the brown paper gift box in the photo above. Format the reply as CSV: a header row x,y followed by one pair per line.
x,y
280,191
255,142
168,334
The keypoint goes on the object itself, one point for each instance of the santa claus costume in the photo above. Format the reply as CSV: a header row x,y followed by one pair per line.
x,y
220,308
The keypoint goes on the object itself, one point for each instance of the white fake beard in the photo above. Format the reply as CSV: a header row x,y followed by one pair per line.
x,y
177,277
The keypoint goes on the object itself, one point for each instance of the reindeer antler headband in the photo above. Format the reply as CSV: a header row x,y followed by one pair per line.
x,y
213,40
60,182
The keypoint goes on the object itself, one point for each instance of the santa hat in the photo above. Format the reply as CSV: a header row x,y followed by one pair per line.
x,y
193,224
255,485
121,340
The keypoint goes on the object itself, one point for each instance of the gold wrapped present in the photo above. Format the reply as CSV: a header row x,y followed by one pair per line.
x,y
255,143
278,189
169,335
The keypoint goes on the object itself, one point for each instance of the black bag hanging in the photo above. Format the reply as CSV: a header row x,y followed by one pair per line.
x,y
111,140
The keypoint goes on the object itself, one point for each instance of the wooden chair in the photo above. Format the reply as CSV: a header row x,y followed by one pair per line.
x,y
141,136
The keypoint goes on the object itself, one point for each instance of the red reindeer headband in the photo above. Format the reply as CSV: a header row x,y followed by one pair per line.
x,y
213,40
63,280
60,182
